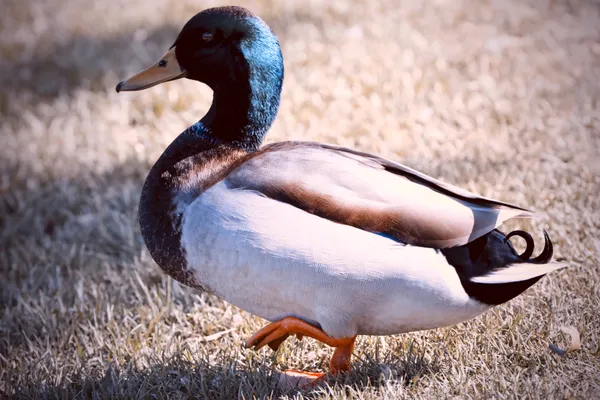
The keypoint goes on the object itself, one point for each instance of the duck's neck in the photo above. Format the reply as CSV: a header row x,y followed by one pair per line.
x,y
244,107
237,118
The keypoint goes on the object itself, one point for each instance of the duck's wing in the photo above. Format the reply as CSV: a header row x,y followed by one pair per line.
x,y
370,193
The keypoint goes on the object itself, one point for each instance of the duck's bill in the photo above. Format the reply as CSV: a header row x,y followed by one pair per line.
x,y
166,69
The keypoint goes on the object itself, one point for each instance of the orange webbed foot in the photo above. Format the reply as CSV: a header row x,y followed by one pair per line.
x,y
293,378
289,326
275,333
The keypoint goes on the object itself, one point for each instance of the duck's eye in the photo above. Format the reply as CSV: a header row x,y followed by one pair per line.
x,y
207,36
162,63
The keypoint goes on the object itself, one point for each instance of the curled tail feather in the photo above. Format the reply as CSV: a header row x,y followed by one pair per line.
x,y
546,254
528,240
528,268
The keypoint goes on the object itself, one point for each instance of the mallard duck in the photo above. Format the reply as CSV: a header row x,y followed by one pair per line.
x,y
320,240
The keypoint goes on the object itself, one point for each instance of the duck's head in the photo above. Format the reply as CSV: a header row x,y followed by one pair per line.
x,y
235,53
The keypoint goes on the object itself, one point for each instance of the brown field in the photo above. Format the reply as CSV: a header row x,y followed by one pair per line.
x,y
499,97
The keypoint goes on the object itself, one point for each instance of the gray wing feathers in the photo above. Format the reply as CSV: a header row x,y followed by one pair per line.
x,y
371,193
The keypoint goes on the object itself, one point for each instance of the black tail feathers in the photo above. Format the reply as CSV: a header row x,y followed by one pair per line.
x,y
544,257
492,272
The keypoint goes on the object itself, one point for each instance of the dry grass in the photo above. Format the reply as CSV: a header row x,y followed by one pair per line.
x,y
500,97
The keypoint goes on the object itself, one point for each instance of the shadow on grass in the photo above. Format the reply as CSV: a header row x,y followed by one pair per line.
x,y
258,378
82,62
173,379
90,63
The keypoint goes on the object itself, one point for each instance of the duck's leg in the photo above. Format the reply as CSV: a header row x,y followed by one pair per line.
x,y
274,334
340,361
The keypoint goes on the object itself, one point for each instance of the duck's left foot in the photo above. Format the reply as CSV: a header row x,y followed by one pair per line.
x,y
293,378
340,362
275,333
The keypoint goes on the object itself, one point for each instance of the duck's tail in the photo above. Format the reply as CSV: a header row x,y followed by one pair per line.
x,y
528,268
492,272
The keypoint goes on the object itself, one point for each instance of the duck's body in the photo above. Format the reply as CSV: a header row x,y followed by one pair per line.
x,y
240,235
347,281
338,242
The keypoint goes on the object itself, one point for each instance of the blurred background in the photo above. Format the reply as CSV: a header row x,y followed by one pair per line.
x,y
499,97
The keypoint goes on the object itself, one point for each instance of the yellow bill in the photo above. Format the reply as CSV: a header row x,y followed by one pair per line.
x,y
166,69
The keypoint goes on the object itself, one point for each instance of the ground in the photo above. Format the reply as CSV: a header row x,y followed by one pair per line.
x,y
499,97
